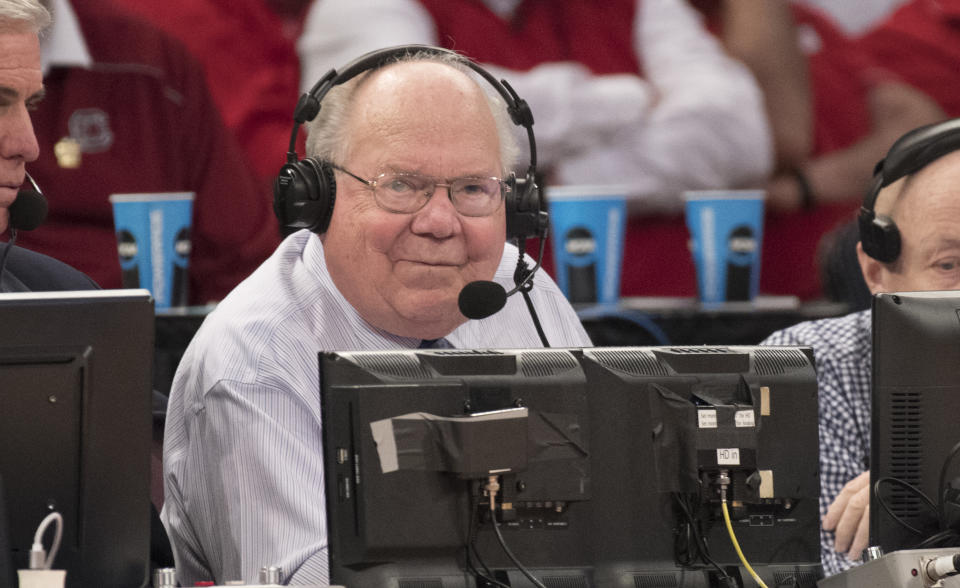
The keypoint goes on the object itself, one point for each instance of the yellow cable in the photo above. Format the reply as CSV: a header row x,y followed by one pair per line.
x,y
733,539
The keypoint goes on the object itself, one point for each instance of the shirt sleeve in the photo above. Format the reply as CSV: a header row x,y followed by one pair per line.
x,y
841,440
840,444
248,467
707,127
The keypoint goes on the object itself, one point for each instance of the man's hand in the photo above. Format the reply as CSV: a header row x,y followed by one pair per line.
x,y
849,516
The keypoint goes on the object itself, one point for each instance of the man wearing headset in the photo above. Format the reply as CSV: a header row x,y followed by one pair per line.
x,y
418,153
909,241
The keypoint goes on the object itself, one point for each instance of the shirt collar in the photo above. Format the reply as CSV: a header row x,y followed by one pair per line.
x,y
63,45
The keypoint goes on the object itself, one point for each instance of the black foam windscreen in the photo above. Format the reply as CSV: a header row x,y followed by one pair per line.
x,y
481,299
28,211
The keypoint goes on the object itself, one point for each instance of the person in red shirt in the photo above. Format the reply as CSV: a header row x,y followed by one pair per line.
x,y
850,110
920,43
628,92
127,110
250,62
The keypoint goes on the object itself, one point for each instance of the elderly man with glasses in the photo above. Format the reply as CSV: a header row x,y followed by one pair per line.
x,y
419,215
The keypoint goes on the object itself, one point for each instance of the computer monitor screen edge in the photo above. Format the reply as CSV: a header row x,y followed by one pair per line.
x,y
915,402
75,419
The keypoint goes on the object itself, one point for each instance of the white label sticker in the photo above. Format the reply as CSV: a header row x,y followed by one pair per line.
x,y
707,419
728,456
744,418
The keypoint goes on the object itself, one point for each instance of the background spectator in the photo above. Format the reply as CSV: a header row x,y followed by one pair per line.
x,y
250,61
826,149
625,92
920,44
127,110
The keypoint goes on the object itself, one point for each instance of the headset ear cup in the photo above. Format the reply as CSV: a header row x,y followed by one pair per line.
x,y
324,194
303,195
525,219
879,236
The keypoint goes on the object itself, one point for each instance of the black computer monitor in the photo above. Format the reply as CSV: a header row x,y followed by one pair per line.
x,y
75,429
608,462
916,411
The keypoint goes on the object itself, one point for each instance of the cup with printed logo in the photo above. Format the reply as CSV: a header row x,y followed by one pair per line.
x,y
153,242
726,234
587,225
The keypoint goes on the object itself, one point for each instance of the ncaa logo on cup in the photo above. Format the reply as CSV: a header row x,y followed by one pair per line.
x,y
579,241
126,245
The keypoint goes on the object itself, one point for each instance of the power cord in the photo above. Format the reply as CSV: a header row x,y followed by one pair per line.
x,y
492,487
39,560
886,507
471,546
683,553
941,498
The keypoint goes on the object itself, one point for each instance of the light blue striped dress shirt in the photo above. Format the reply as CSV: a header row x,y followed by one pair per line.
x,y
243,467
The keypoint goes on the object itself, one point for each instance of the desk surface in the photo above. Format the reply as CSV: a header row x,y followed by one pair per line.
x,y
686,321
632,322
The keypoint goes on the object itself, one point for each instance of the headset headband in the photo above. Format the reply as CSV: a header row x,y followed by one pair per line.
x,y
308,106
879,235
911,153
305,190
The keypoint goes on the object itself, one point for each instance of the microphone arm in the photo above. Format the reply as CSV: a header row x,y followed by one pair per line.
x,y
523,278
481,298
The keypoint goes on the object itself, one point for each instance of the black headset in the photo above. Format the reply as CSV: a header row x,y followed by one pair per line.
x,y
305,190
912,152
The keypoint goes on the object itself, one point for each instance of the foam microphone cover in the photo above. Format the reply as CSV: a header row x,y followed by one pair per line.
x,y
481,299
28,211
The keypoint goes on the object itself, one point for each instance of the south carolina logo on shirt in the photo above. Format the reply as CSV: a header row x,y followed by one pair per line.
x,y
91,128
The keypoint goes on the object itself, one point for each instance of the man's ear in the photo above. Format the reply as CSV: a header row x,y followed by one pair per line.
x,y
874,272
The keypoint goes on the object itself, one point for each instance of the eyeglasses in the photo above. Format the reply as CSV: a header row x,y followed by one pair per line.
x,y
404,193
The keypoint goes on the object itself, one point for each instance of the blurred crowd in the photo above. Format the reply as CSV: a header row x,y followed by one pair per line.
x,y
660,96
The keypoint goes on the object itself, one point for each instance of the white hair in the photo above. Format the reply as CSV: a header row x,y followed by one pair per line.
x,y
327,137
23,15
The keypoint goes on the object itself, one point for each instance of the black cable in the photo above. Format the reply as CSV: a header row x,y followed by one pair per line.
x,y
941,502
536,320
471,546
701,543
522,277
513,558
686,550
947,538
489,576
883,504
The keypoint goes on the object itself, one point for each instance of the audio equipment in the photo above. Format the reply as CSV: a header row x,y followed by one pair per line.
x,y
26,213
912,152
304,191
29,210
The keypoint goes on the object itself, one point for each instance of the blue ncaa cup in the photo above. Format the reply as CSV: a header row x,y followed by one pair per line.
x,y
153,241
587,225
726,234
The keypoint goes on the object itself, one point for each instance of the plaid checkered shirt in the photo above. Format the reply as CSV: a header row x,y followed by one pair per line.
x,y
842,350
